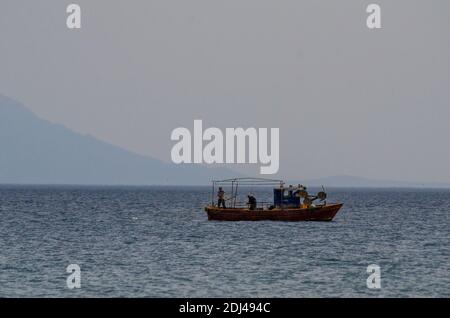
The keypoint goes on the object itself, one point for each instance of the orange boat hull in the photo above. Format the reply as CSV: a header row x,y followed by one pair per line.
x,y
319,213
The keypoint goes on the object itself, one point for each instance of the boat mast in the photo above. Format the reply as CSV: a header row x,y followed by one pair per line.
x,y
235,195
212,196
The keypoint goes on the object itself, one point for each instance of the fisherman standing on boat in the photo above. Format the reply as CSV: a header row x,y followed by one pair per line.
x,y
221,198
251,202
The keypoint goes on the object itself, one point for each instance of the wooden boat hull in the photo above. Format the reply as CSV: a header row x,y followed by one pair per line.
x,y
319,213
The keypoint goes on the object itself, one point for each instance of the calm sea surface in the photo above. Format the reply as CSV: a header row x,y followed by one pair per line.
x,y
157,242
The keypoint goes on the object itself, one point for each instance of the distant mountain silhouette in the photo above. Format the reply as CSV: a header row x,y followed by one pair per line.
x,y
35,151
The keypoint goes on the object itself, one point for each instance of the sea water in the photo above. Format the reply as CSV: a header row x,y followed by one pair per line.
x,y
157,242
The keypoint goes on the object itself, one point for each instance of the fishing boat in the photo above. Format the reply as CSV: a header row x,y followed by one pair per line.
x,y
291,203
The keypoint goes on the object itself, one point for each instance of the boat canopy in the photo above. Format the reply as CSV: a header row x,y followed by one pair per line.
x,y
249,181
234,183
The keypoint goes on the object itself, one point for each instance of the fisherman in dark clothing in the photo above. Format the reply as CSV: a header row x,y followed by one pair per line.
x,y
221,198
251,202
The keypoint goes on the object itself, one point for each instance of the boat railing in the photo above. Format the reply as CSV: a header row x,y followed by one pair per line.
x,y
244,205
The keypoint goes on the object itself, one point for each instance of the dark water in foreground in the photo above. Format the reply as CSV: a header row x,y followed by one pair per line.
x,y
157,242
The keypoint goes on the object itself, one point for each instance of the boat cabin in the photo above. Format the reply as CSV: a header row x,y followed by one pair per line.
x,y
286,197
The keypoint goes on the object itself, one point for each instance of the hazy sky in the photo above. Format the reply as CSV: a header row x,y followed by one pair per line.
x,y
347,100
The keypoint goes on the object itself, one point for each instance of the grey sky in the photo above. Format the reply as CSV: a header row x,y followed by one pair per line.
x,y
347,100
